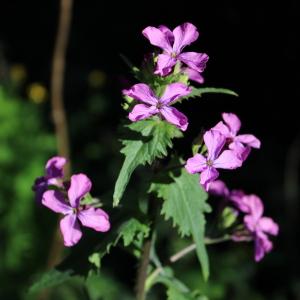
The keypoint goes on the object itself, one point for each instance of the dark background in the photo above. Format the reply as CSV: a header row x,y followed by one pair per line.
x,y
253,50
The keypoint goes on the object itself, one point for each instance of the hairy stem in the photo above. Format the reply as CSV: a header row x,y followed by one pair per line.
x,y
192,247
57,107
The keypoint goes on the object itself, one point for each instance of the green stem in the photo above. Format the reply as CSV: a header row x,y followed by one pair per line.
x,y
177,256
192,247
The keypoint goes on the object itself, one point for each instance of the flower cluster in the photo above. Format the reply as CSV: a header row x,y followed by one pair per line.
x,y
191,64
225,150
65,198
257,226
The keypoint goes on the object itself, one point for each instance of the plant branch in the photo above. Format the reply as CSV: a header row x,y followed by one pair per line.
x,y
192,247
57,106
177,256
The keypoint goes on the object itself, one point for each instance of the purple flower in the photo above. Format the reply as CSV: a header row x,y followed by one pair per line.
x,y
242,143
215,159
172,43
219,188
88,216
158,106
54,174
259,226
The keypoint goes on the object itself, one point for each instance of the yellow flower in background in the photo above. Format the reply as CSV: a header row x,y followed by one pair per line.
x,y
17,73
37,93
97,79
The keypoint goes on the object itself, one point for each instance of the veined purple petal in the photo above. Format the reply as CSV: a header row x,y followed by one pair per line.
x,y
141,112
79,187
241,150
232,121
95,218
165,64
56,202
157,38
248,139
228,160
193,75
196,164
70,230
219,188
174,91
209,175
141,92
214,142
262,246
54,167
267,225
196,61
223,129
175,117
184,35
168,33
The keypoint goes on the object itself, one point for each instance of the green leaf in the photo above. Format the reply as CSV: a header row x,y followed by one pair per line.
x,y
185,203
198,92
95,259
228,218
131,232
50,279
176,290
153,138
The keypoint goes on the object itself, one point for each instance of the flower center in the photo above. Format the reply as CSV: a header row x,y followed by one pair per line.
x,y
209,163
75,210
173,55
159,105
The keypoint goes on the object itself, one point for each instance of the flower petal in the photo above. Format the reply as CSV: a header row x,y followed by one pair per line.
x,y
70,230
184,35
232,121
54,167
167,32
207,176
236,196
248,139
95,218
196,61
141,92
241,150
228,160
195,164
255,205
141,112
193,75
268,225
56,202
223,129
175,117
219,188
39,187
80,185
174,91
262,246
164,65
157,38
250,223
214,142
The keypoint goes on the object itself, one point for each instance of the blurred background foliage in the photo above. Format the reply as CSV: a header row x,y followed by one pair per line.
x,y
253,51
